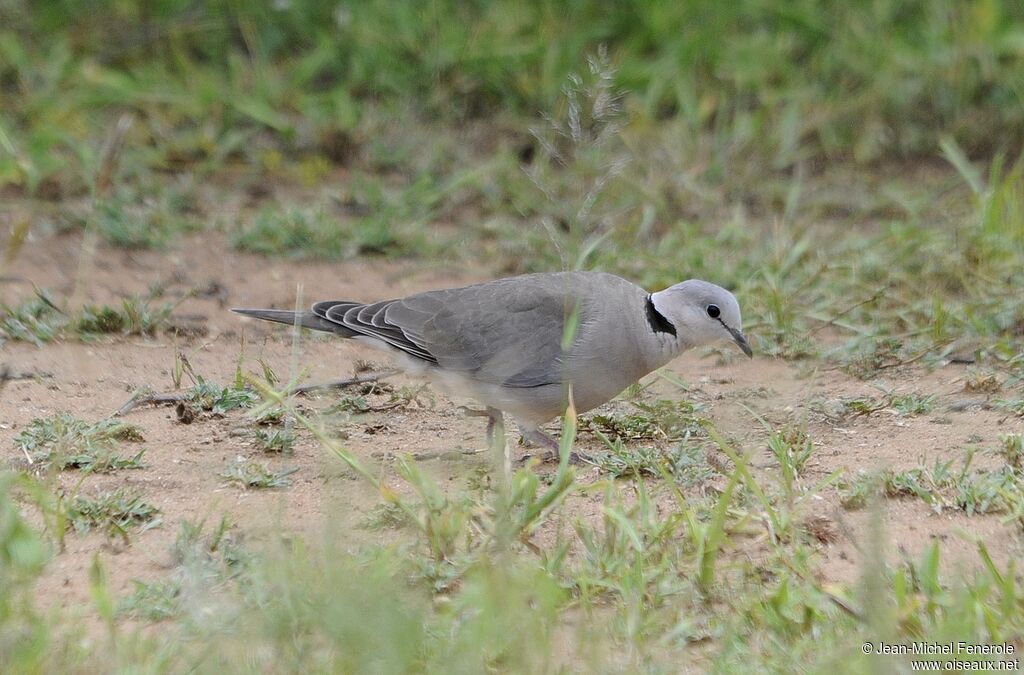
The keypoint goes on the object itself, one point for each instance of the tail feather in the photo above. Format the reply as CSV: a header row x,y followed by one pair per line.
x,y
304,319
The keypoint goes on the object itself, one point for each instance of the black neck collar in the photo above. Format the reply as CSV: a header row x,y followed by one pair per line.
x,y
656,320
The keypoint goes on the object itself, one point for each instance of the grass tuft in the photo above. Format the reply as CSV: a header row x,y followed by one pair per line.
x,y
662,420
276,441
36,320
248,473
136,316
212,397
65,442
113,512
153,601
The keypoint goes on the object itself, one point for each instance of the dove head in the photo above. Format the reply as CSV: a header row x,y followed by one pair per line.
x,y
701,313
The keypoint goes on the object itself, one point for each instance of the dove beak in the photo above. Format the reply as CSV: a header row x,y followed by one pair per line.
x,y
741,340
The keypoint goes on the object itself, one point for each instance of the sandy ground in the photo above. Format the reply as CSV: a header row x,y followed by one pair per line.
x,y
183,461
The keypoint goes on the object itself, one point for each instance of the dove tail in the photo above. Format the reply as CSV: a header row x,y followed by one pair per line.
x,y
304,319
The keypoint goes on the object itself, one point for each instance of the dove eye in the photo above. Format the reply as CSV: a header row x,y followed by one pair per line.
x,y
714,312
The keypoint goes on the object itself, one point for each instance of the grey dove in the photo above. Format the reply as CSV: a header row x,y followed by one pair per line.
x,y
501,342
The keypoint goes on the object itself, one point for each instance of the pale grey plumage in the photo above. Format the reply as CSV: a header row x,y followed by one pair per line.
x,y
501,341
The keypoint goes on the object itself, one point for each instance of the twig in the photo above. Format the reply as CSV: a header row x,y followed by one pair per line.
x,y
142,397
341,384
424,456
899,363
145,397
10,375
832,321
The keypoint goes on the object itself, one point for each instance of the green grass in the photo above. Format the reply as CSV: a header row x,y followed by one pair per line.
x,y
276,440
663,420
466,588
65,442
39,320
268,415
35,320
203,560
112,512
913,404
944,486
136,316
126,225
386,516
366,220
686,462
462,582
248,473
910,404
351,405
294,231
214,398
152,601
793,449
1012,405
798,81
1011,449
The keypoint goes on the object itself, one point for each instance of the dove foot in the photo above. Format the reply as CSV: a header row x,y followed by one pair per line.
x,y
535,437
539,438
552,457
575,458
494,419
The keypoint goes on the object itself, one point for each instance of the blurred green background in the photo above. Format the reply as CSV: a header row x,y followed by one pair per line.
x,y
866,80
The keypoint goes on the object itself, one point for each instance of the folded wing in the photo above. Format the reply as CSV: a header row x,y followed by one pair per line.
x,y
507,332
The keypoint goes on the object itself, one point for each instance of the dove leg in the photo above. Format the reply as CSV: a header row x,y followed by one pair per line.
x,y
494,420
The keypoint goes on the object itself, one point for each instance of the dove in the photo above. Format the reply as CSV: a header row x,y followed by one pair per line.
x,y
520,345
